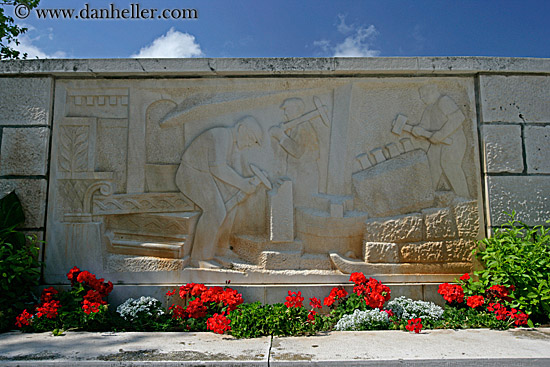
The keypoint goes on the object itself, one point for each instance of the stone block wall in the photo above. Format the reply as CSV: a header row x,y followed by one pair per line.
x,y
25,125
506,100
515,132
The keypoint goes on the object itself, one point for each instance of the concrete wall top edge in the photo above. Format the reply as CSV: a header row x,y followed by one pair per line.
x,y
274,66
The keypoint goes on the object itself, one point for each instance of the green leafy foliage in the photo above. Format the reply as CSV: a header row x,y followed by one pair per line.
x,y
464,318
19,265
520,256
252,320
9,31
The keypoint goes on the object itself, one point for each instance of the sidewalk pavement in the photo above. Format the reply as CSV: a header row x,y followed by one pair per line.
x,y
474,347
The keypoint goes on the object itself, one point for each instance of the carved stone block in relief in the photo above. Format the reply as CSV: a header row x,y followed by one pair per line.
x,y
266,176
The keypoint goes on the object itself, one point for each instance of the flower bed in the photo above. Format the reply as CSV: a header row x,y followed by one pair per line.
x,y
222,310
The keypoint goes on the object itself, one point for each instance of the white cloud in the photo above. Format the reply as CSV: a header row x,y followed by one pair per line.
x,y
26,46
172,44
357,44
342,26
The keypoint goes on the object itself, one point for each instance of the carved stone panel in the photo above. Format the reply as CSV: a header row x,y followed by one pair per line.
x,y
265,179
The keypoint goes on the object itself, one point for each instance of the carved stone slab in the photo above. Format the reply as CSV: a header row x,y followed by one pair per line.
x,y
264,180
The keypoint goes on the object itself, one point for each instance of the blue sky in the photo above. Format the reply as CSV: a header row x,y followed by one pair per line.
x,y
298,28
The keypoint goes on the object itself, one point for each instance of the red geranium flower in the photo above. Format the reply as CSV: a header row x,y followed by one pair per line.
x,y
89,307
451,292
475,301
358,278
499,310
501,292
218,323
414,325
231,298
465,277
48,294
196,309
48,309
335,294
315,302
23,319
177,312
294,300
73,274
311,315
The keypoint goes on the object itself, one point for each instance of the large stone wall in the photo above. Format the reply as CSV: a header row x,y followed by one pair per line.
x,y
273,173
25,125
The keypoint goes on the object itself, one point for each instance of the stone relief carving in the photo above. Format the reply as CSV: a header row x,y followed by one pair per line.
x,y
206,177
322,176
441,125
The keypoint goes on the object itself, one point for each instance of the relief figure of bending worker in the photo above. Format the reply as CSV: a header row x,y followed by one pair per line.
x,y
208,178
441,123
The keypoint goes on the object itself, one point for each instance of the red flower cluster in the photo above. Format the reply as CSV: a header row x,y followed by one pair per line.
x,y
375,293
48,307
294,300
23,319
414,325
520,318
465,277
475,301
315,302
218,295
97,289
218,323
451,292
501,292
203,301
502,313
196,309
335,294
48,294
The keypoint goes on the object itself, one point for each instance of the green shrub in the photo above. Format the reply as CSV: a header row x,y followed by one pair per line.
x,y
19,265
519,256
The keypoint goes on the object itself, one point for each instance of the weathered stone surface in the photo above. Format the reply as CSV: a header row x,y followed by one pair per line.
x,y
25,101
459,250
24,151
468,66
467,218
439,223
528,196
381,252
423,252
404,228
515,98
279,260
503,148
395,186
537,149
32,194
281,224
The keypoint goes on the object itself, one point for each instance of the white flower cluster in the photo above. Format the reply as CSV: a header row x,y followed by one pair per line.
x,y
132,309
363,320
406,308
